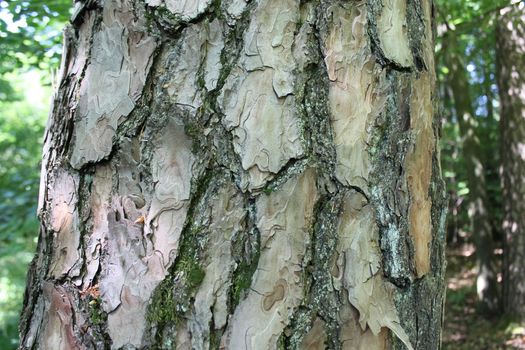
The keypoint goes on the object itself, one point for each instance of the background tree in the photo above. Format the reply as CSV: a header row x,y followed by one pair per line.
x,y
242,175
467,34
511,65
466,64
475,161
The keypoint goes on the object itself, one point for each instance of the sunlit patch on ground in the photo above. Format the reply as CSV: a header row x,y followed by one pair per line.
x,y
464,328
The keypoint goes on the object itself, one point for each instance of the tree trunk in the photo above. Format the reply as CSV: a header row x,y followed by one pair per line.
x,y
241,175
486,281
510,68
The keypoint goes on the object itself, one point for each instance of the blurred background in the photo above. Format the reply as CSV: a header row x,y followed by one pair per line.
x,y
471,146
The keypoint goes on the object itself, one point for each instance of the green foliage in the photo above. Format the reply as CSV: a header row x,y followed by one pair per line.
x,y
466,30
21,132
457,298
97,316
30,37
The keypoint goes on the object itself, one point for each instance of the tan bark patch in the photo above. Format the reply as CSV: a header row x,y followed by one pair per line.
x,y
284,218
57,332
172,165
419,172
200,43
62,199
353,337
393,34
100,204
136,255
276,295
360,265
315,339
353,92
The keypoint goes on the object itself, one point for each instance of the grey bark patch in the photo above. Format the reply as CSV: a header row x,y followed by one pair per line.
x,y
113,81
276,289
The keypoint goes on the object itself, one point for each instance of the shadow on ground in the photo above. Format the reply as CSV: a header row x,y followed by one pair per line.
x,y
465,329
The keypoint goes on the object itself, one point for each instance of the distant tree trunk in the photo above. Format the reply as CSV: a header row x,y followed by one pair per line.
x,y
510,70
241,175
486,281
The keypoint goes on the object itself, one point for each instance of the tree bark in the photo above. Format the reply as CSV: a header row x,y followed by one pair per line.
x,y
479,205
510,68
241,175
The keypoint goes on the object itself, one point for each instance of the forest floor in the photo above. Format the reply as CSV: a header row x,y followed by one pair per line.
x,y
465,328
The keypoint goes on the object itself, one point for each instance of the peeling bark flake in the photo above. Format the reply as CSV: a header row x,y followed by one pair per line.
x,y
63,201
393,33
284,218
257,97
354,93
120,60
211,299
419,158
359,266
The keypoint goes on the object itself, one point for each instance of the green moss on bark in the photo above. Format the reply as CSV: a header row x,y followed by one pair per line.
x,y
246,252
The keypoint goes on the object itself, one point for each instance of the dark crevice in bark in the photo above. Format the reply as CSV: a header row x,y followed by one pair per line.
x,y
81,8
33,291
215,335
317,127
386,185
136,121
321,299
96,326
246,252
300,323
170,25
292,168
313,103
84,212
97,317
324,298
233,46
416,32
227,158
418,311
